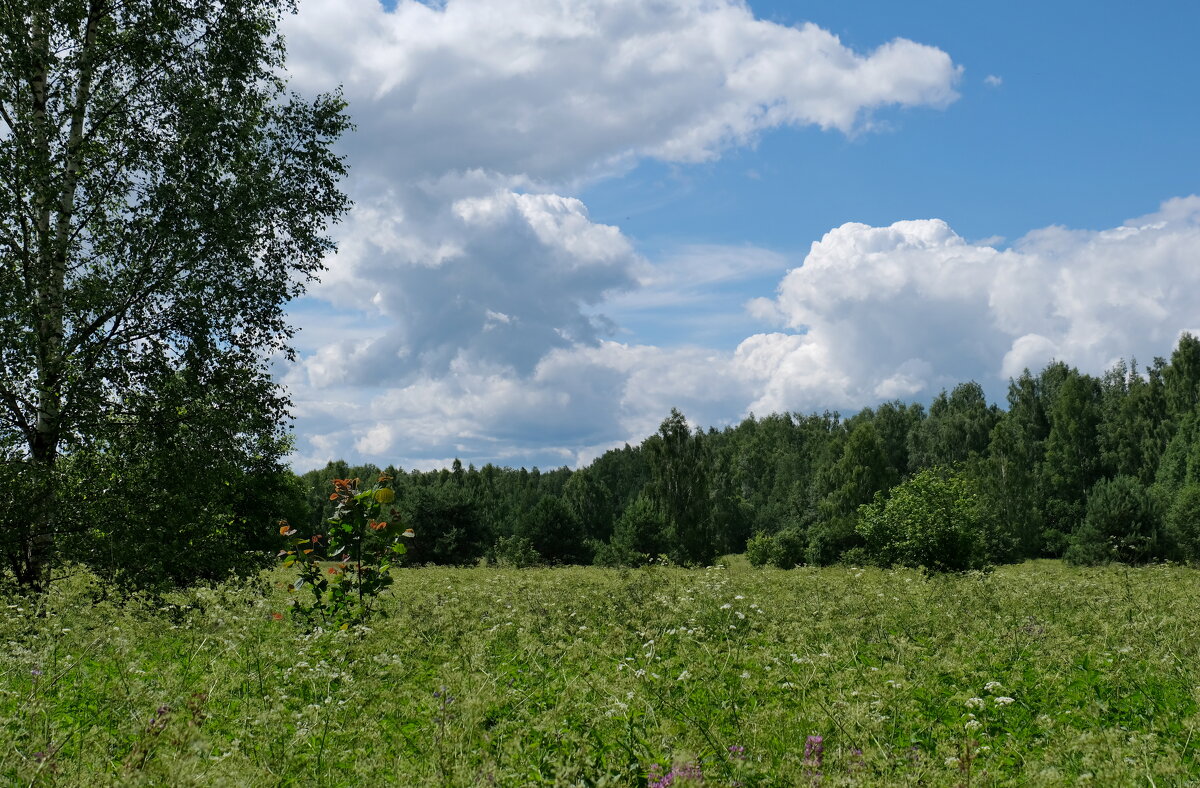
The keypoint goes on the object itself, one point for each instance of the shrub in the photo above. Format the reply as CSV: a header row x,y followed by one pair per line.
x,y
760,548
1183,521
785,549
790,544
1122,524
515,551
349,566
934,520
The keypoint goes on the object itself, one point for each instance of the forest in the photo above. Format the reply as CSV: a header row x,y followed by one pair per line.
x,y
1091,469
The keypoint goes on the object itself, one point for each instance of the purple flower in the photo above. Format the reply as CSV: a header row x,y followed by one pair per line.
x,y
814,749
689,771
814,756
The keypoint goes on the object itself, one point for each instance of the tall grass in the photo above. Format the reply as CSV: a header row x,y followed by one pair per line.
x,y
1032,675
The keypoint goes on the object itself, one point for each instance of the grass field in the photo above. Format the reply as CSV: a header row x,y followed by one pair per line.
x,y
1032,675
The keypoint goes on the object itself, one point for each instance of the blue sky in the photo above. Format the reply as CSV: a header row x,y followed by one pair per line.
x,y
572,216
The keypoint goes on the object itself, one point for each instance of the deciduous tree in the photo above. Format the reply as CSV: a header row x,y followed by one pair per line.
x,y
162,196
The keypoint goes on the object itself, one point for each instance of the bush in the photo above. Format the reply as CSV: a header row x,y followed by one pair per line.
x,y
785,549
828,540
516,552
1183,521
759,549
1122,524
934,520
790,545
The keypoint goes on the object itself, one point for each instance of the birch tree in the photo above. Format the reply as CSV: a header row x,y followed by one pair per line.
x,y
162,197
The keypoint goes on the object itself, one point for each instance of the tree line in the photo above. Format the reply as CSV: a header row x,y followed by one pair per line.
x,y
1081,467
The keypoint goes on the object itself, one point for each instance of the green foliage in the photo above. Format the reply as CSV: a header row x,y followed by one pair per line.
x,y
346,568
172,197
934,520
1123,524
790,548
553,531
589,503
785,549
679,487
1011,480
452,531
860,472
638,536
958,427
515,552
1072,461
759,549
1183,521
1181,378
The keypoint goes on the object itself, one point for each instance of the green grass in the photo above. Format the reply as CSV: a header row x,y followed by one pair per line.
x,y
588,676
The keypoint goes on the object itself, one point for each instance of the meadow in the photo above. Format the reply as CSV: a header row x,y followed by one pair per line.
x,y
1034,674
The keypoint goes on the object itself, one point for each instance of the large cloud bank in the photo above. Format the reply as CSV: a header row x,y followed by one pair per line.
x,y
465,313
905,310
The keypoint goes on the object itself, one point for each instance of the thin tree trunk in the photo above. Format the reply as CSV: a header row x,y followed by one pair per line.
x,y
55,210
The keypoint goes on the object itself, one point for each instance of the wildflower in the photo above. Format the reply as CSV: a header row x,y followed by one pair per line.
x,y
737,751
972,725
1004,700
991,686
952,761
814,754
655,778
974,703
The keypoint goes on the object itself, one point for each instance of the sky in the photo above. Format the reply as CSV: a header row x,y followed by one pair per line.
x,y
574,215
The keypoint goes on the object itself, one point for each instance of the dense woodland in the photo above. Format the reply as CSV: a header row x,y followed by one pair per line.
x,y
1092,469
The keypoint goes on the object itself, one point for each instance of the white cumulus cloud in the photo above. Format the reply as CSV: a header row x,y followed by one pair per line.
x,y
555,89
473,271
907,309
